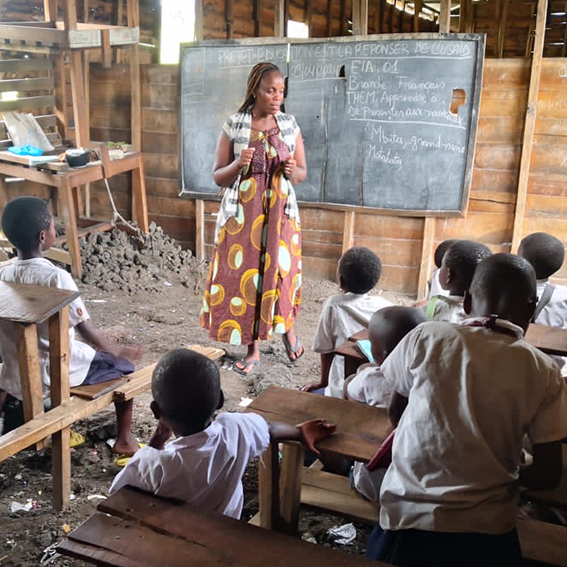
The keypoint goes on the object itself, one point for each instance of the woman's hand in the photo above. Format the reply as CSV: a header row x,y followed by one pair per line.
x,y
289,166
245,157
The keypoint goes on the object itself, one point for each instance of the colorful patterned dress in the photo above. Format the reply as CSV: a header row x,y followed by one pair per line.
x,y
254,284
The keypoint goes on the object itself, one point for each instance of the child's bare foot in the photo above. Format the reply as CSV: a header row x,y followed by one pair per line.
x,y
127,445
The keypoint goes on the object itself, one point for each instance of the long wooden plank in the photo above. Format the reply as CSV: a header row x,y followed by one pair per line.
x,y
215,532
333,492
360,428
26,85
25,65
28,103
529,128
47,36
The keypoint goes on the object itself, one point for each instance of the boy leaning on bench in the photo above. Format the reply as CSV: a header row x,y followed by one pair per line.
x,y
28,224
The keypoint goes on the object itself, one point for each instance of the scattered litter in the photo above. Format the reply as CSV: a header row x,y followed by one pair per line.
x,y
18,477
72,496
110,442
39,492
96,300
342,535
66,528
49,554
309,538
17,507
245,402
167,284
96,497
11,543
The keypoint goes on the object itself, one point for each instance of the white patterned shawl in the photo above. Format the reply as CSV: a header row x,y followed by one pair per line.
x,y
237,128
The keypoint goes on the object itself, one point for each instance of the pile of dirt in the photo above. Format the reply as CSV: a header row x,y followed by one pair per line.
x,y
116,260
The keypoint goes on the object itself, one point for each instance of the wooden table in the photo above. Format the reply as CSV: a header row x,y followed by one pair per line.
x,y
133,528
28,306
67,181
360,431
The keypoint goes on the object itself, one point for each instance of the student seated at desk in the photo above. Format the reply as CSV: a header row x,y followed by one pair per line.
x,y
205,463
546,254
433,284
369,385
345,314
28,224
465,396
455,276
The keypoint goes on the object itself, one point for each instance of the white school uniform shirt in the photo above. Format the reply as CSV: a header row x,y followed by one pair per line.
x,y
473,394
369,386
204,469
342,316
449,309
40,271
554,314
435,287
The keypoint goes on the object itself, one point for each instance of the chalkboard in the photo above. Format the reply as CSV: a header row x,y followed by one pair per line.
x,y
388,122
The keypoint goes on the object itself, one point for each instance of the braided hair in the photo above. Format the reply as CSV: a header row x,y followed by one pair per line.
x,y
254,78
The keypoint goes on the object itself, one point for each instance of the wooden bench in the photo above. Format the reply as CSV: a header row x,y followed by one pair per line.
x,y
133,528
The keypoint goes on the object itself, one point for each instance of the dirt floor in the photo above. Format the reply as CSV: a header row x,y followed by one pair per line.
x,y
160,321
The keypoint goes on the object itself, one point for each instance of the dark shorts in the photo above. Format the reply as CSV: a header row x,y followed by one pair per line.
x,y
420,548
104,367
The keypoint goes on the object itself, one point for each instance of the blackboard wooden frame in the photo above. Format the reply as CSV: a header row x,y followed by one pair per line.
x,y
479,42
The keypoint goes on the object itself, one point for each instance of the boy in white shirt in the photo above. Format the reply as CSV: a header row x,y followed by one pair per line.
x,y
434,285
455,276
204,465
546,254
28,225
369,385
465,396
345,314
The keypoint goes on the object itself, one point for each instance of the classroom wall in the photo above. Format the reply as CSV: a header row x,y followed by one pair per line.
x,y
396,239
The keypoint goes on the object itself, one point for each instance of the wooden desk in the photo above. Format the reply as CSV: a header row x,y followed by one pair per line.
x,y
133,528
68,180
360,431
28,306
550,340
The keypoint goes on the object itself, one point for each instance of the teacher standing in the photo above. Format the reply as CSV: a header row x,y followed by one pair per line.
x,y
254,284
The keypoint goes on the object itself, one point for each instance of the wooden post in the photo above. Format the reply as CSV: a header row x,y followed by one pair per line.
x,y
293,455
139,200
50,10
309,16
329,18
529,126
426,256
28,357
445,17
199,26
417,7
530,40
67,210
133,8
229,17
59,377
279,19
119,22
343,18
501,37
360,17
348,230
268,487
377,16
200,229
